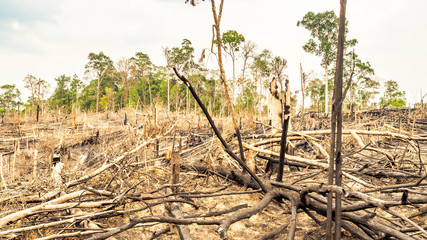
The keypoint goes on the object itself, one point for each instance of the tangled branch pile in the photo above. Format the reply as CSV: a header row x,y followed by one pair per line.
x,y
100,178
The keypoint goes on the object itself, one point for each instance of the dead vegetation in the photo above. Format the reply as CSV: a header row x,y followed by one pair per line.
x,y
94,177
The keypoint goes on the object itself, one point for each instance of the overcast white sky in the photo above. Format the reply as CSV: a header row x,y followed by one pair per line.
x,y
48,38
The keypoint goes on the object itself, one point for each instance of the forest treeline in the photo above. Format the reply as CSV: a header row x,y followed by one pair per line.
x,y
134,81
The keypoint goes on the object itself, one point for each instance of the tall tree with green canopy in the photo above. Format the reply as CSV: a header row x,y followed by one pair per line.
x,y
360,75
10,96
76,86
261,69
182,59
98,64
142,66
66,92
167,53
231,43
314,90
324,30
393,98
61,95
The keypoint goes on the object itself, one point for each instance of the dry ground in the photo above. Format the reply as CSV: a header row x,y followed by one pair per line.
x,y
135,183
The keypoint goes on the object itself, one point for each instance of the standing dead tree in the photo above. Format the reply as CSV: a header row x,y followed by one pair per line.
x,y
303,82
285,120
217,21
276,109
336,132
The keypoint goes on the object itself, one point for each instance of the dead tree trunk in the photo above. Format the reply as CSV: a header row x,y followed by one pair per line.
x,y
336,133
303,78
217,20
276,108
38,103
284,132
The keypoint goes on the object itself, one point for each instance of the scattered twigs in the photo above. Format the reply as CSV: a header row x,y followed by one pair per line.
x,y
394,213
127,187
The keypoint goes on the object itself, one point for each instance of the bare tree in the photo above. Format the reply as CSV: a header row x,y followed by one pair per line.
x,y
279,64
124,67
248,51
335,160
31,83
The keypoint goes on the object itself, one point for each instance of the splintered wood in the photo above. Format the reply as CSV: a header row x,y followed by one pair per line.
x,y
175,167
134,180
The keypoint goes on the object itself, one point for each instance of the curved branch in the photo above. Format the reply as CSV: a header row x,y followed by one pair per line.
x,y
246,213
217,133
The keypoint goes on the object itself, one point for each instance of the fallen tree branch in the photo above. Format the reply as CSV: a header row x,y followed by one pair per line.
x,y
217,133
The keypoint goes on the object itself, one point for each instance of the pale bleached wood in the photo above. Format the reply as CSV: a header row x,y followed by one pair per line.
x,y
307,161
361,132
1,171
26,212
362,145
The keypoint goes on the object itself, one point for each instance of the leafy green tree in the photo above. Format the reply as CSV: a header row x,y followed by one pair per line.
x,y
38,88
363,87
324,32
10,97
210,94
314,89
261,70
107,100
61,96
88,95
231,43
98,64
142,68
76,86
87,99
66,92
183,60
248,98
393,98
